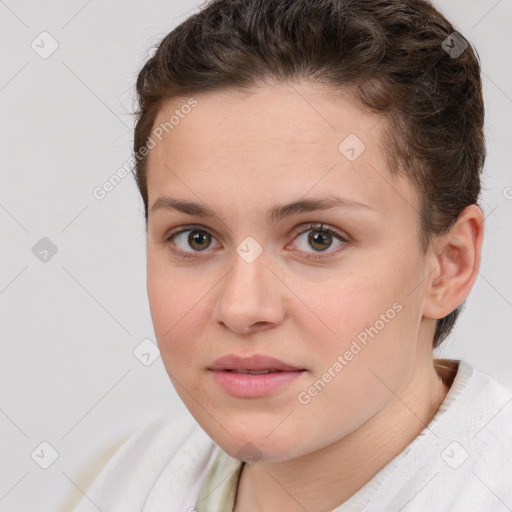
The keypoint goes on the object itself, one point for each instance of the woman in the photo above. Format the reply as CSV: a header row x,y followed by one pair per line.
x,y
310,173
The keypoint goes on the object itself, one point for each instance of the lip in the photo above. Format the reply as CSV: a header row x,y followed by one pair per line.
x,y
254,362
245,385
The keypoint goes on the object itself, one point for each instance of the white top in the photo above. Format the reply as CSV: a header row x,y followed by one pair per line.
x,y
461,462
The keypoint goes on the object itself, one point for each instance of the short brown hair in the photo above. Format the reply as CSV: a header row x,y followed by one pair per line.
x,y
393,55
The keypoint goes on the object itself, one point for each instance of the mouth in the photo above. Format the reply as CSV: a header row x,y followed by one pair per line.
x,y
257,372
256,364
253,377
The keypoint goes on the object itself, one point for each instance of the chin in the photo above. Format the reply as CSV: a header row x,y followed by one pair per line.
x,y
253,445
252,452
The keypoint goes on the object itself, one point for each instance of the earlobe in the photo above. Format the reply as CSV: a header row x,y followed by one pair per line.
x,y
457,255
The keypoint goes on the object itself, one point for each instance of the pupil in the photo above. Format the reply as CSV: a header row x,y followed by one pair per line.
x,y
316,238
198,238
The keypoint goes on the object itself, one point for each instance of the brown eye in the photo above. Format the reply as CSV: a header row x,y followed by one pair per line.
x,y
320,240
199,240
191,240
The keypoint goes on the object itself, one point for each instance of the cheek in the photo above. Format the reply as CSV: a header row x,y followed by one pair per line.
x,y
367,317
358,366
339,309
177,308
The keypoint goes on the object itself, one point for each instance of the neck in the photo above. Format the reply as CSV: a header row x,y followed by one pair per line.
x,y
343,467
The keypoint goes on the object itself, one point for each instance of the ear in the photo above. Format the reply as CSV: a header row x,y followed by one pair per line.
x,y
456,259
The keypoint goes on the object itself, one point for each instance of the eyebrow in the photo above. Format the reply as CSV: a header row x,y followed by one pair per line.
x,y
274,214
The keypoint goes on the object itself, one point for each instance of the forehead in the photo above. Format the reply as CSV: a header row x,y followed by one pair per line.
x,y
276,115
280,139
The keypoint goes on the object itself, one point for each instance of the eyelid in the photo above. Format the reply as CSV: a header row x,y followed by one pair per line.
x,y
320,226
188,227
296,232
167,240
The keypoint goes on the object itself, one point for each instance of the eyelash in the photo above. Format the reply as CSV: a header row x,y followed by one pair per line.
x,y
310,227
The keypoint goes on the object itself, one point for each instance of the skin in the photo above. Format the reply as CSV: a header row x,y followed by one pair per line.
x,y
240,154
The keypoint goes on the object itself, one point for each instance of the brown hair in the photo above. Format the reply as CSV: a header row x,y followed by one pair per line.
x,y
392,55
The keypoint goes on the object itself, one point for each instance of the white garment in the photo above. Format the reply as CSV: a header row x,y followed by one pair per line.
x,y
461,462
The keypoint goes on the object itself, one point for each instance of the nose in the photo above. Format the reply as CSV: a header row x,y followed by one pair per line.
x,y
250,297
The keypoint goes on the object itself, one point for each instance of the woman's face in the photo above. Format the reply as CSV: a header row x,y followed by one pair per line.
x,y
261,278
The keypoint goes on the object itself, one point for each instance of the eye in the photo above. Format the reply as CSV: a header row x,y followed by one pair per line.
x,y
320,238
195,237
199,239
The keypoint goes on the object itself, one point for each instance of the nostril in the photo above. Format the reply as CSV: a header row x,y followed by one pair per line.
x,y
260,325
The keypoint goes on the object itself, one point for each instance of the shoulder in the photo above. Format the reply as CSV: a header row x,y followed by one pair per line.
x,y
462,461
478,458
476,400
139,471
478,421
490,422
489,402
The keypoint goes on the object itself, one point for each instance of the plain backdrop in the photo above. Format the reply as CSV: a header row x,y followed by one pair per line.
x,y
73,302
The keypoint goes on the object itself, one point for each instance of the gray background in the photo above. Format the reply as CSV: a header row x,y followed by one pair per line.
x,y
70,322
